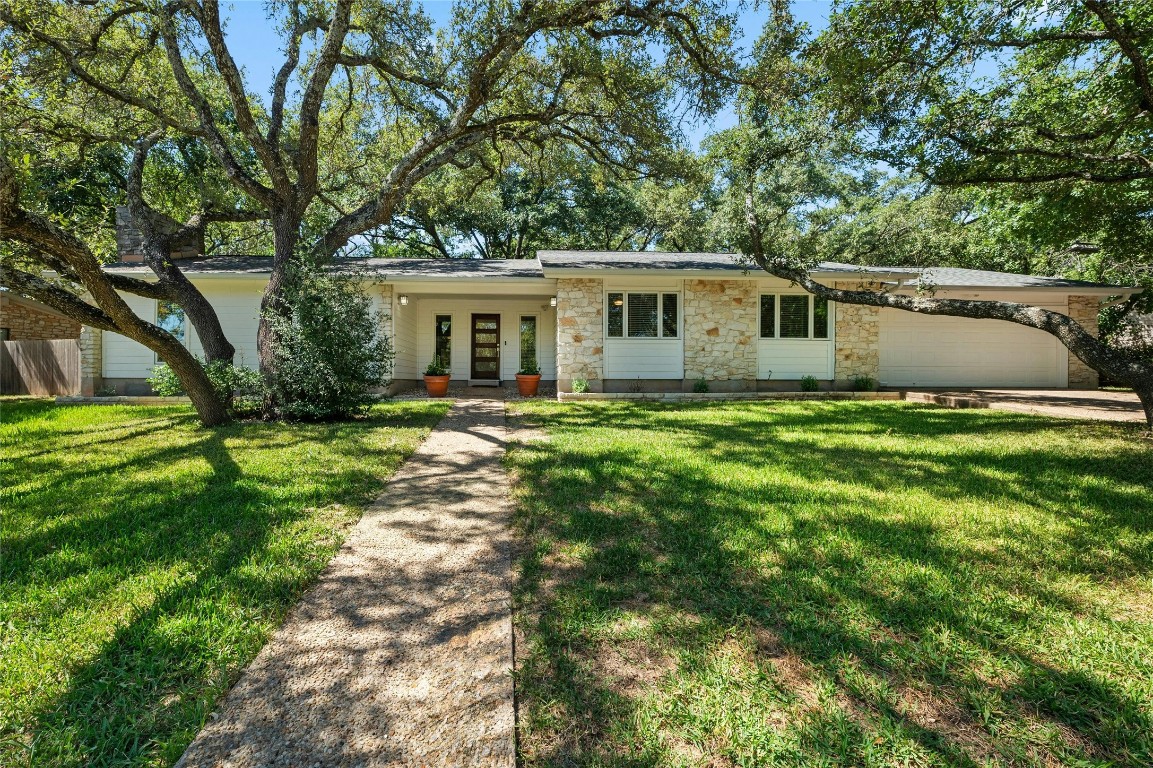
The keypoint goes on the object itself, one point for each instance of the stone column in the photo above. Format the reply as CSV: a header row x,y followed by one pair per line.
x,y
580,332
857,349
91,360
720,334
1083,309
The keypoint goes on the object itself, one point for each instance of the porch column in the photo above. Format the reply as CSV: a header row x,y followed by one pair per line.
x,y
857,347
580,332
91,360
1083,309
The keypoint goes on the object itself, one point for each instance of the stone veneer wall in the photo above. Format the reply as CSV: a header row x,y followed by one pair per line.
x,y
857,348
91,360
25,322
1083,309
720,327
580,332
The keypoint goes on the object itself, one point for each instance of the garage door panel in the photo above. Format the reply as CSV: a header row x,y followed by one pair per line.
x,y
919,350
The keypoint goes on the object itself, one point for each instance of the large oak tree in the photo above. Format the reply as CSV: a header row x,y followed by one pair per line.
x,y
369,101
964,94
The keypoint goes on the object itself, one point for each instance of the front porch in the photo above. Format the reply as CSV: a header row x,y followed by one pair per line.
x,y
482,341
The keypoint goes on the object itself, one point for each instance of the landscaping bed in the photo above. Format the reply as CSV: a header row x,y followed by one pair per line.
x,y
146,561
842,583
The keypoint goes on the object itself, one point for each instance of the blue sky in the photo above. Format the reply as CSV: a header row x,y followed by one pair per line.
x,y
256,46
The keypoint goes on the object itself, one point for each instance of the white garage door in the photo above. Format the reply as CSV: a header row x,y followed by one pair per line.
x,y
936,351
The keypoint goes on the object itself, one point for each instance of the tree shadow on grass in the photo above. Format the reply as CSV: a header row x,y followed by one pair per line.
x,y
211,567
929,633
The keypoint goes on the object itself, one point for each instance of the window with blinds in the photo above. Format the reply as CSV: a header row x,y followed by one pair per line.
x,y
768,316
669,316
616,315
643,315
820,318
794,316
794,321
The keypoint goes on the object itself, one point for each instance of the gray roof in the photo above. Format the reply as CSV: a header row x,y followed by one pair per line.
x,y
552,263
705,262
948,277
423,269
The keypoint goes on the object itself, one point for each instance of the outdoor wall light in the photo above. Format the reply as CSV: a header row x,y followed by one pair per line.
x,y
552,301
403,298
618,302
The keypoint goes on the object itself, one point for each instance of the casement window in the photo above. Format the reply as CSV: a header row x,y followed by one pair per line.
x,y
643,315
442,352
527,339
170,317
794,316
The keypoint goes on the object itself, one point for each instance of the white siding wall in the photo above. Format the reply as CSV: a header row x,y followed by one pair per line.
x,y
237,304
407,364
422,313
123,357
788,359
644,359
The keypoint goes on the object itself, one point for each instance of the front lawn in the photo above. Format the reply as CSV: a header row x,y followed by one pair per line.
x,y
145,561
819,584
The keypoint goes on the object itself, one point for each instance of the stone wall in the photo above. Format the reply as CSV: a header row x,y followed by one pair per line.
x,y
31,321
720,327
1083,309
857,349
580,332
91,360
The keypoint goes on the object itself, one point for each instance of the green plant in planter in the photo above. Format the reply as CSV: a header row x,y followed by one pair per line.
x,y
864,383
701,386
810,384
435,368
529,368
580,386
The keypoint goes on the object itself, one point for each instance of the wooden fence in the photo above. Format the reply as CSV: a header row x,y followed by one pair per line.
x,y
40,367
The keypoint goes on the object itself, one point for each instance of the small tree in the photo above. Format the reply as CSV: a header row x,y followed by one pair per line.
x,y
331,349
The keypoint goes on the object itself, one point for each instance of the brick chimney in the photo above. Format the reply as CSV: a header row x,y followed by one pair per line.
x,y
130,241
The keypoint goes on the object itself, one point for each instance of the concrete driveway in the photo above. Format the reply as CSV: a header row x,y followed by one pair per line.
x,y
1065,403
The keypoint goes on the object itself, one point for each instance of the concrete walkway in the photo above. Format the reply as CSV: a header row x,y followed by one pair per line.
x,y
402,652
1064,403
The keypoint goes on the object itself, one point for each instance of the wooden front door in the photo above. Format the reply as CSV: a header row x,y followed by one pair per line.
x,y
485,346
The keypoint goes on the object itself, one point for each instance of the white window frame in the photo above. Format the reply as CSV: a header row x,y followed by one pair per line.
x,y
660,293
777,318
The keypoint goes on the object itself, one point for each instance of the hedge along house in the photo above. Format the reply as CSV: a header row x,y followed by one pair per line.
x,y
649,322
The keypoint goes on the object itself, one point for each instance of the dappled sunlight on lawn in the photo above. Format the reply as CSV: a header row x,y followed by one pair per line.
x,y
146,560
843,583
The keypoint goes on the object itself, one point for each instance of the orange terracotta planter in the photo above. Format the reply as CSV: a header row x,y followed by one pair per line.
x,y
437,386
527,384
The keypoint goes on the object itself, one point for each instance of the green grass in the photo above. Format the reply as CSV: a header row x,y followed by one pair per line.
x,y
145,561
827,584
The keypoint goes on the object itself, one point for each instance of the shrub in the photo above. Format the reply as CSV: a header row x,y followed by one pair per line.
x,y
436,369
580,386
810,384
529,368
329,350
864,383
164,381
230,381
701,386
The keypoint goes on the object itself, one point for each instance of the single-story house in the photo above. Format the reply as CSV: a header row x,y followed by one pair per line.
x,y
651,321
